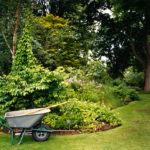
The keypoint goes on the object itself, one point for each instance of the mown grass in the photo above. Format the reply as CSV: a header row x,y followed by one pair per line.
x,y
134,134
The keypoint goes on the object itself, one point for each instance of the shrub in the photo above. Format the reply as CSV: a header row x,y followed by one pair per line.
x,y
90,93
97,71
134,78
118,82
94,71
83,115
112,95
124,92
76,86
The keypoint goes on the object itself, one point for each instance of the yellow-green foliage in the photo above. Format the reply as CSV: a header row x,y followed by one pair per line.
x,y
59,45
83,115
52,22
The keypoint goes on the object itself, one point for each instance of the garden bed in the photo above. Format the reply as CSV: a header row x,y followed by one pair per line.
x,y
63,132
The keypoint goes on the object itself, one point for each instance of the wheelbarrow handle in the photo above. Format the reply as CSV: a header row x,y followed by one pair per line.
x,y
28,113
2,123
3,119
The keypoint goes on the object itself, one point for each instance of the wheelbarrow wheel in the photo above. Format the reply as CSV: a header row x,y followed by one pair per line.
x,y
41,136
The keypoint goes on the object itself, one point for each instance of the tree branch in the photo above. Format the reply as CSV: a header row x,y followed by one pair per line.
x,y
134,51
7,43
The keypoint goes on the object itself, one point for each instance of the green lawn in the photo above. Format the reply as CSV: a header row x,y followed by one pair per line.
x,y
134,134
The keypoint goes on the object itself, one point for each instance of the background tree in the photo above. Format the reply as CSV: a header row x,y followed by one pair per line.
x,y
75,12
58,42
109,41
5,57
9,25
124,35
137,16
12,14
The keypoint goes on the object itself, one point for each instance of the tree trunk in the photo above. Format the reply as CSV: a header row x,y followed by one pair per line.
x,y
147,76
147,46
15,30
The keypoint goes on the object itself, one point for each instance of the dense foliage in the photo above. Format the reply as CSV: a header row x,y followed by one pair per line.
x,y
134,78
83,115
58,42
115,29
112,93
28,85
97,71
124,92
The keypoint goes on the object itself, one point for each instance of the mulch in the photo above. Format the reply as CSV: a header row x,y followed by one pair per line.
x,y
64,132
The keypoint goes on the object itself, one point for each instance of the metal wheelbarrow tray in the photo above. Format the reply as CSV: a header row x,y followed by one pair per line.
x,y
16,119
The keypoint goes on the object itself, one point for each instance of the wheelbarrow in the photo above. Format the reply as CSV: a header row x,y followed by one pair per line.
x,y
30,119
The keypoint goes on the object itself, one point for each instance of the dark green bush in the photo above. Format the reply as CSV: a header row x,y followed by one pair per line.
x,y
76,86
118,82
124,92
90,91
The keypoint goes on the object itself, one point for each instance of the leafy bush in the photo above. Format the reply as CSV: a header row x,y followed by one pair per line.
x,y
113,95
134,78
88,92
124,92
97,71
28,89
83,115
109,98
117,82
93,92
94,71
76,86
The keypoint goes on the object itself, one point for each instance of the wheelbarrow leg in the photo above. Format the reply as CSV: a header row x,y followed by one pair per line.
x,y
21,137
